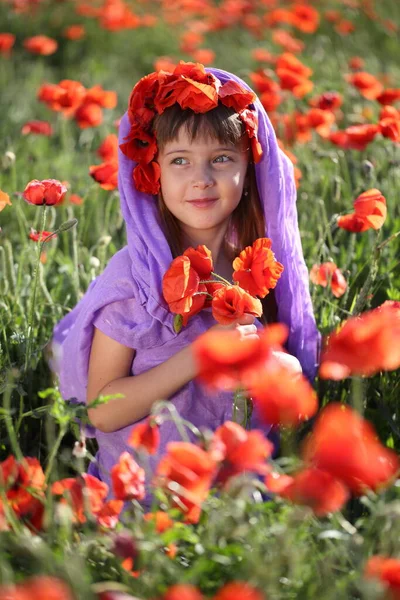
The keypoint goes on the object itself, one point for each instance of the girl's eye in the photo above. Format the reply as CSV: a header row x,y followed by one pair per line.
x,y
178,161
224,158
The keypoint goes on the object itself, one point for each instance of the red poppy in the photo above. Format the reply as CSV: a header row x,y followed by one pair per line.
x,y
233,95
205,56
289,62
186,472
225,360
238,589
268,89
287,41
328,273
48,191
106,174
108,515
66,96
256,269
356,63
140,146
165,63
44,587
344,26
180,283
161,520
281,397
320,120
20,480
263,55
182,591
82,491
279,15
364,345
200,260
74,32
41,44
327,101
359,136
37,127
108,150
147,177
88,115
345,445
37,236
127,479
367,84
190,40
240,450
369,212
389,96
75,199
231,302
7,41
390,128
387,571
103,98
305,18
294,82
146,436
312,487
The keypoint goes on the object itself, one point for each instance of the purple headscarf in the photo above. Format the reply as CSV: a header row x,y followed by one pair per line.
x,y
134,274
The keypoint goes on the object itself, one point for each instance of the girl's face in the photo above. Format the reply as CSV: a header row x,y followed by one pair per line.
x,y
202,183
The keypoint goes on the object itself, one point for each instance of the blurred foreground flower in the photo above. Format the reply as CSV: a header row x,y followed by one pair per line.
x,y
43,587
127,479
48,191
387,571
7,41
146,436
369,212
364,345
4,200
328,274
37,127
346,445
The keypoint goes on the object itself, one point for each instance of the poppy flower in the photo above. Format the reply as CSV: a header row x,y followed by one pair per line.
x,y
287,41
344,26
37,236
305,18
355,137
328,273
109,513
48,191
268,89
180,283
389,96
106,174
146,436
44,587
320,120
37,127
327,101
368,85
4,200
7,41
390,128
103,98
186,472
127,479
24,484
256,270
161,520
165,63
346,445
281,397
108,150
294,82
200,260
190,40
289,62
88,115
81,491
64,97
231,302
225,360
40,44
205,56
311,487
147,177
263,55
232,94
76,199
74,32
241,450
277,16
182,591
387,571
364,345
356,63
238,589
369,212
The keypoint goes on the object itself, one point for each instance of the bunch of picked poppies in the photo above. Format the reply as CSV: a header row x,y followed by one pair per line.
x,y
189,285
192,87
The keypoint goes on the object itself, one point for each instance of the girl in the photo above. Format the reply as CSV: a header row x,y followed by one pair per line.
x,y
199,163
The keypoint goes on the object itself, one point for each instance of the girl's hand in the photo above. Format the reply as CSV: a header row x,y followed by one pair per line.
x,y
244,325
289,362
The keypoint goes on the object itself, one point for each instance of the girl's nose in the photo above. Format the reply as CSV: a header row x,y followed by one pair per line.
x,y
203,179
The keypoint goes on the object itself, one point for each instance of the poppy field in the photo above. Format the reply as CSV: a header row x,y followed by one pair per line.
x,y
231,519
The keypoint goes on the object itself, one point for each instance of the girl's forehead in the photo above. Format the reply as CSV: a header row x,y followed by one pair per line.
x,y
184,139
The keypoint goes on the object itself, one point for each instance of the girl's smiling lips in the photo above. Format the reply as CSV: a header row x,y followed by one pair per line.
x,y
202,202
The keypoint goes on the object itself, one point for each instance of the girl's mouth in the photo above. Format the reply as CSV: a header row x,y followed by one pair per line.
x,y
203,202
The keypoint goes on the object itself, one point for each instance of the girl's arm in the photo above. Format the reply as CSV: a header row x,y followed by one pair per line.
x,y
110,373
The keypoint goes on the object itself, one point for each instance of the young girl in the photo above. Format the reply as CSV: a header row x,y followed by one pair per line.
x,y
199,163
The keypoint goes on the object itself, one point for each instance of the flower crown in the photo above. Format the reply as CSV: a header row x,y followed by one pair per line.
x,y
192,87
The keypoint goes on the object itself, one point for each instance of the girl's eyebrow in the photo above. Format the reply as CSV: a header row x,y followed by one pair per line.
x,y
232,149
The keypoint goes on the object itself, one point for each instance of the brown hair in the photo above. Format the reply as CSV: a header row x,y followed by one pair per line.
x,y
247,221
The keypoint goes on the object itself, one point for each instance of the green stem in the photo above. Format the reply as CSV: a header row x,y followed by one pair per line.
x,y
61,434
33,301
12,435
220,278
366,288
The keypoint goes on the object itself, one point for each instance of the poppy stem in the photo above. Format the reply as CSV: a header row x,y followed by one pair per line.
x,y
35,284
220,278
362,299
242,408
